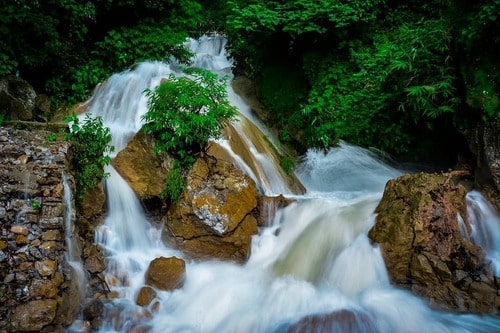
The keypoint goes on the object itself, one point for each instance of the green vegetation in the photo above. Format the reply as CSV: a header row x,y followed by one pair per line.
x,y
66,47
51,137
401,77
2,119
185,112
89,141
288,164
175,183
35,205
394,75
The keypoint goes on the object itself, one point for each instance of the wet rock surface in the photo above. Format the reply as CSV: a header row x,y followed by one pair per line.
x,y
144,171
484,142
424,251
17,98
336,322
215,217
35,280
166,273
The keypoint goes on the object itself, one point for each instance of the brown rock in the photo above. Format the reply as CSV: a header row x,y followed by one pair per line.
x,y
46,267
17,98
25,265
268,206
423,249
42,107
93,202
19,229
95,264
145,296
166,273
336,322
58,191
213,218
244,87
34,316
43,289
22,240
143,170
93,313
48,246
51,235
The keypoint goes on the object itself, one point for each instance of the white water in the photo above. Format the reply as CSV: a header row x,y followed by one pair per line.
x,y
485,224
73,250
315,259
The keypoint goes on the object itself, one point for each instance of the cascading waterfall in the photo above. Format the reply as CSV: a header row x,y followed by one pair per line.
x,y
315,259
485,224
73,250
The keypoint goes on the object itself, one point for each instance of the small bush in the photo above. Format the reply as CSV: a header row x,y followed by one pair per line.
x,y
186,112
90,145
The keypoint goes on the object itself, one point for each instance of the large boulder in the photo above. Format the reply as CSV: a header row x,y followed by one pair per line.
x,y
214,218
144,171
424,251
17,98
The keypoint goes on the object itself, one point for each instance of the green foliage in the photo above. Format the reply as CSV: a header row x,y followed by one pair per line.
x,y
378,94
50,35
2,119
35,205
288,164
478,45
185,112
282,89
254,28
90,146
51,137
175,183
66,47
120,49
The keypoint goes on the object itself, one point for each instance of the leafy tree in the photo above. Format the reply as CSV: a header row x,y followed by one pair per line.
x,y
64,48
187,111
48,35
120,49
90,146
388,81
477,28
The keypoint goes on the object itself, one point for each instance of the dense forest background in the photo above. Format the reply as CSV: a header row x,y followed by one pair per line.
x,y
404,77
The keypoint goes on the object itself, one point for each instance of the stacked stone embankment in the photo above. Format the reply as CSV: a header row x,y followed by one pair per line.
x,y
37,292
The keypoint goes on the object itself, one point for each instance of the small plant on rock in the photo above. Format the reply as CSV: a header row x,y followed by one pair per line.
x,y
90,145
186,112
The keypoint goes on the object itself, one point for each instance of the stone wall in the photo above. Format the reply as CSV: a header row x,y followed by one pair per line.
x,y
37,289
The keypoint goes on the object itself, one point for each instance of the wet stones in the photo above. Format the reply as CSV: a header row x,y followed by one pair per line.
x,y
166,273
215,216
423,249
33,273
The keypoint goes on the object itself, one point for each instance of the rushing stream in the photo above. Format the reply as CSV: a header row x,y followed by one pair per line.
x,y
315,258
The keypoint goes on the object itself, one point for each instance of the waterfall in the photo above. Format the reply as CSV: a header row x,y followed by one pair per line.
x,y
314,259
73,250
485,224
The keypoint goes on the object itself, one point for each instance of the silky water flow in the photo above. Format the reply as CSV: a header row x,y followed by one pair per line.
x,y
314,259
